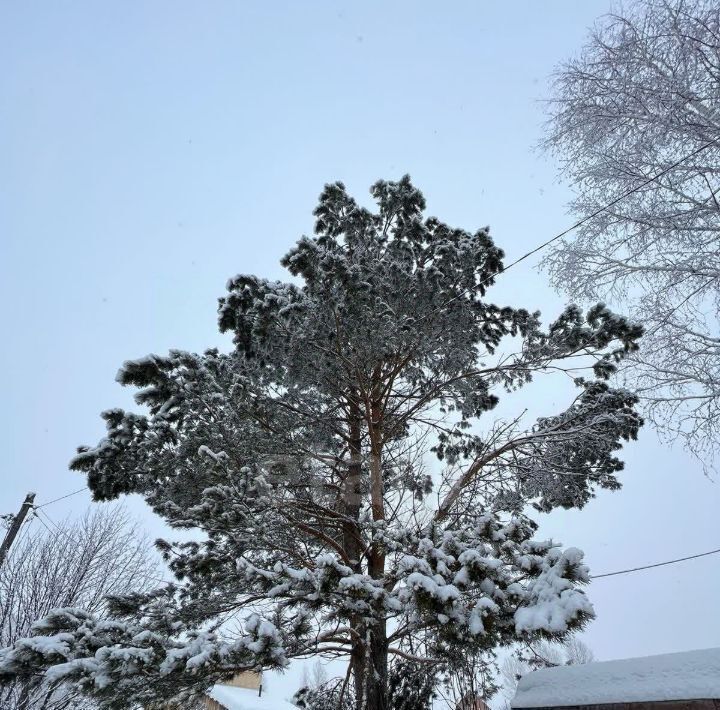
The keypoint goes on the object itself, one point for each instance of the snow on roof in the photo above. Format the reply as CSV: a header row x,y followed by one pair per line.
x,y
694,675
245,699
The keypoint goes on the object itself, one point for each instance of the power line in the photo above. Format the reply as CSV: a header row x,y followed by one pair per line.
x,y
560,235
579,223
44,524
56,526
657,564
594,576
612,203
50,502
528,254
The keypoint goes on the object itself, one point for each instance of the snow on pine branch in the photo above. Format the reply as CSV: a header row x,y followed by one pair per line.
x,y
298,460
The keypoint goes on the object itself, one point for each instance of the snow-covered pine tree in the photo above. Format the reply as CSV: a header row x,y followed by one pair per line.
x,y
296,455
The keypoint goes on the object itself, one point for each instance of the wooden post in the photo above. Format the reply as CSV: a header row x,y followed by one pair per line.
x,y
15,526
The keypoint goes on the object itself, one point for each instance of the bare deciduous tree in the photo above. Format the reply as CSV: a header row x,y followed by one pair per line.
x,y
577,652
642,99
73,564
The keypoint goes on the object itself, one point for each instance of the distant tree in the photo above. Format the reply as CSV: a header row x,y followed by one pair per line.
x,y
76,564
644,93
316,678
296,458
577,652
468,678
543,654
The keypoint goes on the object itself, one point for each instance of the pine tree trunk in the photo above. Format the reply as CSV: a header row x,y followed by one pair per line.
x,y
358,659
376,676
352,544
369,656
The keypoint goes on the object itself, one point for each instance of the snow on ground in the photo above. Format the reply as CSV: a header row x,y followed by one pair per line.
x,y
243,699
674,676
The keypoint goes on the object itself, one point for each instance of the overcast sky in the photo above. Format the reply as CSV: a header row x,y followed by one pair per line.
x,y
151,150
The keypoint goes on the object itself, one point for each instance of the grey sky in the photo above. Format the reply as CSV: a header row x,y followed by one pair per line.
x,y
150,150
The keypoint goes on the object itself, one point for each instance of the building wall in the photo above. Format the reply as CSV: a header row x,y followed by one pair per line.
x,y
211,704
246,679
472,703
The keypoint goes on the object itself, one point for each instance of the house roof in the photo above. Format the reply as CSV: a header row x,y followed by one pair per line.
x,y
693,675
234,698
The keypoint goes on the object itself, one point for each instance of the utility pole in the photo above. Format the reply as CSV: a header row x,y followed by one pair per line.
x,y
15,526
